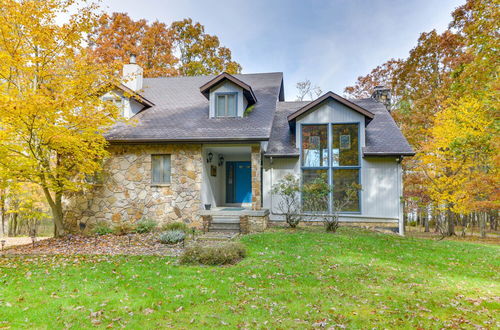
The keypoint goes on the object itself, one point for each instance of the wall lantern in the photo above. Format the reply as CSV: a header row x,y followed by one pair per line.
x,y
209,157
221,160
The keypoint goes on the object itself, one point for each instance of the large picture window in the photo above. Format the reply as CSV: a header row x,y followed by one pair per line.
x,y
340,167
160,169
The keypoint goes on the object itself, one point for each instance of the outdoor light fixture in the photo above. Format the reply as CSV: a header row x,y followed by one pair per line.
x,y
221,160
210,156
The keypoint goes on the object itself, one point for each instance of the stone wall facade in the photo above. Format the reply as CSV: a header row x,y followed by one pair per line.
x,y
256,178
127,194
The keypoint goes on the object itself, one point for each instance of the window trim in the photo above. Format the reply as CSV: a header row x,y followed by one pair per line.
x,y
329,167
216,96
161,184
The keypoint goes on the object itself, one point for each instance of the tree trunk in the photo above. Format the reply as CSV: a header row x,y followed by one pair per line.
x,y
426,220
482,224
451,222
57,212
13,225
4,216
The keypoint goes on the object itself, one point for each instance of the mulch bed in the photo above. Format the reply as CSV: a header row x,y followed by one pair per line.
x,y
140,244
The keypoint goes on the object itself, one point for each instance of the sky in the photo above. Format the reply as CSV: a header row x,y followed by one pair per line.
x,y
330,43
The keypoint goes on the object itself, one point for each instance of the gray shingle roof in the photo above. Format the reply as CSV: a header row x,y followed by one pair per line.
x,y
181,112
383,136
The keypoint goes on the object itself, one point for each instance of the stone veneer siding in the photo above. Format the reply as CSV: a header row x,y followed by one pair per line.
x,y
127,194
256,178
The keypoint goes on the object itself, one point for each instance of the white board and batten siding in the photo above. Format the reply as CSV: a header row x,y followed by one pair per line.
x,y
380,176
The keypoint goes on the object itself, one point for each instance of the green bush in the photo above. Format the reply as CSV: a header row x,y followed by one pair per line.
x,y
123,228
176,226
172,237
102,229
145,226
213,255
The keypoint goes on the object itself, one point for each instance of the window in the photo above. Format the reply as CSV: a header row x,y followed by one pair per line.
x,y
225,104
340,168
115,99
315,145
160,169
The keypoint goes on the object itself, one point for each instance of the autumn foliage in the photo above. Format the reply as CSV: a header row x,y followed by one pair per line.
x,y
52,118
447,104
183,48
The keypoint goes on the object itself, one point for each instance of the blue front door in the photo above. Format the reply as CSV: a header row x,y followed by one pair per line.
x,y
238,182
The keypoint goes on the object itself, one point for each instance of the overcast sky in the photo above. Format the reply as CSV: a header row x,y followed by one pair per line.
x,y
330,43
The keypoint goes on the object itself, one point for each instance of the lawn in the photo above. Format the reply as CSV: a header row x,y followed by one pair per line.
x,y
298,279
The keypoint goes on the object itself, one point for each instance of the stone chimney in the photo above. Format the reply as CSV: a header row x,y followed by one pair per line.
x,y
383,95
132,75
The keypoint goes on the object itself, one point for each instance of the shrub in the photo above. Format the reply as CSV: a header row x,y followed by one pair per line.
x,y
145,226
172,237
123,228
102,229
176,226
213,255
288,189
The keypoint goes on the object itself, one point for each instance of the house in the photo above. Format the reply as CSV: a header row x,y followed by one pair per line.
x,y
207,150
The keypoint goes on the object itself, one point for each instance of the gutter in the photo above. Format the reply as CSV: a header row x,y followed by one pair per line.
x,y
189,140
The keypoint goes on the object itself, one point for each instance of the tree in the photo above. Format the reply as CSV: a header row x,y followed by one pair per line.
x,y
305,89
51,113
118,36
382,75
200,53
288,190
180,49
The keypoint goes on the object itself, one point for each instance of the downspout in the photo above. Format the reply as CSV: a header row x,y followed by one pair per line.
x,y
400,195
271,186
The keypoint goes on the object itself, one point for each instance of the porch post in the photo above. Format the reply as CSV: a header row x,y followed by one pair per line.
x,y
256,178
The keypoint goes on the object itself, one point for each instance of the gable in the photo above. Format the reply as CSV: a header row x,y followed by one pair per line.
x,y
331,111
330,96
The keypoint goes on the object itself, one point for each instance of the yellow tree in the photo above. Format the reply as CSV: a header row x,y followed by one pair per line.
x,y
51,116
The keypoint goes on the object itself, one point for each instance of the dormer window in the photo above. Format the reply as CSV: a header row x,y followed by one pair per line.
x,y
228,96
226,104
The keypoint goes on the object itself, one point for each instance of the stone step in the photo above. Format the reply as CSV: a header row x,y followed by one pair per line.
x,y
224,227
225,219
217,236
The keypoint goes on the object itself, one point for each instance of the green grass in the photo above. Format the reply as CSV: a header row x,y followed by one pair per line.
x,y
294,279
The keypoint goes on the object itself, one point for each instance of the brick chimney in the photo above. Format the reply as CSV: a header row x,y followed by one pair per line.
x,y
383,95
132,75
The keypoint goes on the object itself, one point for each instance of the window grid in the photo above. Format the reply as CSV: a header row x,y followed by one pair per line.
x,y
160,169
329,166
228,110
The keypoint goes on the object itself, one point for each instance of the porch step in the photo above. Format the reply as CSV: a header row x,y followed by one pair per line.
x,y
225,224
224,227
225,219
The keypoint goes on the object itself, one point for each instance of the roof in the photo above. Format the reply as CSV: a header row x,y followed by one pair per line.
x,y
383,137
247,90
136,96
180,112
329,95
